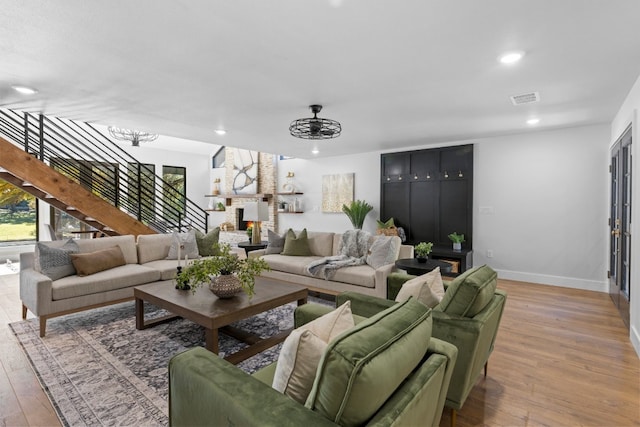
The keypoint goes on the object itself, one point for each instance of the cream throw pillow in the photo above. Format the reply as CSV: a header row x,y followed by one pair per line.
x,y
428,289
385,250
302,350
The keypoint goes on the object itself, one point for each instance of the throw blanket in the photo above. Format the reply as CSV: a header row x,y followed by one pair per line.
x,y
355,246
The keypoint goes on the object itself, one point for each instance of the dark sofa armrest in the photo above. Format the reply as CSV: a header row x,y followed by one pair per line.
x,y
207,390
364,305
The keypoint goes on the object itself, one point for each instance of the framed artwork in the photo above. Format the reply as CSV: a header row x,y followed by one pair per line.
x,y
337,190
245,171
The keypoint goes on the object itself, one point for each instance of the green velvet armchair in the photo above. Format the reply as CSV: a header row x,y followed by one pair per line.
x,y
207,390
468,317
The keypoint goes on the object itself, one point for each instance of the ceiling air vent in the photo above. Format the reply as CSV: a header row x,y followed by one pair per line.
x,y
525,98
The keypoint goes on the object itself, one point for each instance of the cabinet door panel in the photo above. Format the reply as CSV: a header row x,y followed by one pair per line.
x,y
455,212
424,212
396,203
395,164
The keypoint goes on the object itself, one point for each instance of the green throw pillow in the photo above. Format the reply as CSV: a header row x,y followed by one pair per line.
x,y
363,367
469,293
296,246
205,242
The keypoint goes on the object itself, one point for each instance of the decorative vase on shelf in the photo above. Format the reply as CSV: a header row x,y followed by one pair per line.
x,y
225,285
422,260
457,246
216,187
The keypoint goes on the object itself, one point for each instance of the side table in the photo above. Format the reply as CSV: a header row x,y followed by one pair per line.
x,y
412,266
248,246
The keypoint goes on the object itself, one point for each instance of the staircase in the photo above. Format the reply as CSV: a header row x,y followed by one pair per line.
x,y
75,168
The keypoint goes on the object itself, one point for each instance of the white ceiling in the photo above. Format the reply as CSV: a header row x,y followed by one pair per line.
x,y
394,73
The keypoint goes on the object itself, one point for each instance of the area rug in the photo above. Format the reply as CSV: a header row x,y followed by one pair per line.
x,y
97,368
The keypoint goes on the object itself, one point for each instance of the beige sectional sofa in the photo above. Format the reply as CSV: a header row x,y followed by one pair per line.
x,y
362,278
145,262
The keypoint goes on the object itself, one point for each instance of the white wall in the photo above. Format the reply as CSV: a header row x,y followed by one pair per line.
x,y
547,192
627,114
308,179
540,206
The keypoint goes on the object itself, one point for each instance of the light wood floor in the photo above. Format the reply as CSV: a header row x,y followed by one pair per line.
x,y
562,358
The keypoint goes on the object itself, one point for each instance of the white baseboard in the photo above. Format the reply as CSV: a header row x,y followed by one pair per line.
x,y
565,282
635,339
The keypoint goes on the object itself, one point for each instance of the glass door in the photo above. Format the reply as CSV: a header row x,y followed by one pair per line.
x,y
620,225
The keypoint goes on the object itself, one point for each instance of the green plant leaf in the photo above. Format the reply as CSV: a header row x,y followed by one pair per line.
x,y
356,212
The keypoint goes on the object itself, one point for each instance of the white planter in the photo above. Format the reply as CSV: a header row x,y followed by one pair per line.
x,y
457,246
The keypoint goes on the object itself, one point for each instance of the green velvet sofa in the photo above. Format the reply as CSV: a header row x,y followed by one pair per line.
x,y
468,317
375,374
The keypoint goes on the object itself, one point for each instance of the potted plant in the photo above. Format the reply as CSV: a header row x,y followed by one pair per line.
x,y
422,251
457,240
356,212
225,273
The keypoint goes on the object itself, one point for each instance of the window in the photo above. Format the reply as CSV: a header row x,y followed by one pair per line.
x,y
173,192
18,216
141,178
218,159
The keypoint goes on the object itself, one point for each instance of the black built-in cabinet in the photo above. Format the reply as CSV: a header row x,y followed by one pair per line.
x,y
429,193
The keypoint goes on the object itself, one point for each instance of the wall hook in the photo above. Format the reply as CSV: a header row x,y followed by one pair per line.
x,y
446,174
460,174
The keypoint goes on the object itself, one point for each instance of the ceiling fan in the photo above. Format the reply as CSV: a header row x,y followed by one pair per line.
x,y
315,127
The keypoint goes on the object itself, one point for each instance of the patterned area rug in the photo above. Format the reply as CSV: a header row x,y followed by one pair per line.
x,y
98,369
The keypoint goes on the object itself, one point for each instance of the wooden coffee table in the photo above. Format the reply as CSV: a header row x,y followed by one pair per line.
x,y
216,314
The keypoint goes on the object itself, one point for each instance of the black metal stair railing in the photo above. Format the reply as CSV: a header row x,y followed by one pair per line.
x,y
81,152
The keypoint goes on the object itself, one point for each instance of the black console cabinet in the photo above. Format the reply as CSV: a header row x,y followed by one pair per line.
x,y
430,194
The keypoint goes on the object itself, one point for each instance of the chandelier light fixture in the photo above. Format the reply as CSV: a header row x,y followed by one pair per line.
x,y
315,127
135,136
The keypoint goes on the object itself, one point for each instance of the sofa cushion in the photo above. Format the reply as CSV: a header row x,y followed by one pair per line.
x,y
152,247
427,288
124,276
205,242
469,293
127,243
296,245
320,243
183,245
303,348
383,251
362,367
166,268
361,275
276,243
289,264
53,259
93,262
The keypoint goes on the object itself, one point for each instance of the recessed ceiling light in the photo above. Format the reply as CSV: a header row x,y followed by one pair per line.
x,y
220,131
24,90
533,121
315,151
511,57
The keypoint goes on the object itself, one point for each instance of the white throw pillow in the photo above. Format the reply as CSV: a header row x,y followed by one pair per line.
x,y
187,241
302,350
428,289
385,250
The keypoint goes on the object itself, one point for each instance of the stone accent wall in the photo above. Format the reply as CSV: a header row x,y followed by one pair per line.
x,y
267,176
